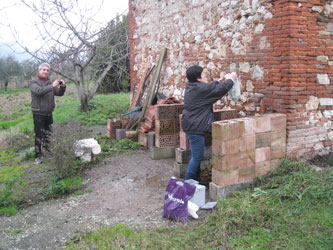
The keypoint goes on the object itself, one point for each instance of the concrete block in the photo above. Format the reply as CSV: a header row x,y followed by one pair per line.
x,y
120,134
162,153
226,130
263,139
151,139
224,178
263,154
179,169
278,153
216,191
182,156
206,164
263,124
262,168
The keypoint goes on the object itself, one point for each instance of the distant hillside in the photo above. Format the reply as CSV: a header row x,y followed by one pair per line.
x,y
13,50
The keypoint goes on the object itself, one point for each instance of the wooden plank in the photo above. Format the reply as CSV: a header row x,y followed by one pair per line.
x,y
152,87
138,90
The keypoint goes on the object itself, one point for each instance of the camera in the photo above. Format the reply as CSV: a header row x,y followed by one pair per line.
x,y
61,82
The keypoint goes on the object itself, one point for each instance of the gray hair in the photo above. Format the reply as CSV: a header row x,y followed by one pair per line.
x,y
44,65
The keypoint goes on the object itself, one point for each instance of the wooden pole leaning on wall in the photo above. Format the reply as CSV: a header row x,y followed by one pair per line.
x,y
152,87
139,88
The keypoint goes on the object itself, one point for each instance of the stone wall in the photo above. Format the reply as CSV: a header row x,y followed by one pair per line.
x,y
282,51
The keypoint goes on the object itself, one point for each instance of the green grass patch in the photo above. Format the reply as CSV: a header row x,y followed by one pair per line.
x,y
17,231
290,208
13,91
62,186
114,147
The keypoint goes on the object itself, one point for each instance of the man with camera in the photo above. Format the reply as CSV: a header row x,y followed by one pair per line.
x,y
43,91
198,112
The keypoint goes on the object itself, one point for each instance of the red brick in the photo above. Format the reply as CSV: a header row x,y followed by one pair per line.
x,y
224,178
230,147
143,139
225,114
263,124
263,168
246,174
226,130
247,142
263,154
164,127
162,141
263,139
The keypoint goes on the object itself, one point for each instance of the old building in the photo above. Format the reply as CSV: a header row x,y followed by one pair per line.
x,y
281,49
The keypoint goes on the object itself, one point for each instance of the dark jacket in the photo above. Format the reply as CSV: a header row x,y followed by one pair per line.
x,y
198,105
42,96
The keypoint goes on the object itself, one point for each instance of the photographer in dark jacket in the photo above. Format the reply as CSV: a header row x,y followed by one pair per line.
x,y
43,91
198,113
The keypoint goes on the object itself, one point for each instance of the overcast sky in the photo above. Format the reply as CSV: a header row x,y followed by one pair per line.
x,y
22,19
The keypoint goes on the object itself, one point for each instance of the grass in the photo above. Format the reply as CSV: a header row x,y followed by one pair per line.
x,y
290,208
17,167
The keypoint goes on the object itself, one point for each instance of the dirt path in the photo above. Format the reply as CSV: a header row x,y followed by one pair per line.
x,y
129,190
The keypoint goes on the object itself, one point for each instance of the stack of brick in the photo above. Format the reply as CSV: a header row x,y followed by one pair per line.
x,y
167,125
148,125
246,148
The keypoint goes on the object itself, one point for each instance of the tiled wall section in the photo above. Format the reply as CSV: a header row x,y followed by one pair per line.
x,y
245,148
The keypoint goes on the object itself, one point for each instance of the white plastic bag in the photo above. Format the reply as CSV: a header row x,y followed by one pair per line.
x,y
192,209
235,92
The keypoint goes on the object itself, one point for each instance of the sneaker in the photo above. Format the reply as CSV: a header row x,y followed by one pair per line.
x,y
39,160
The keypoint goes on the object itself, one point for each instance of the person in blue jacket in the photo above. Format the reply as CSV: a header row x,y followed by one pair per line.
x,y
198,113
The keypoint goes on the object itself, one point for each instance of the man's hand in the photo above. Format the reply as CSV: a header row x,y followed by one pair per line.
x,y
55,83
62,83
59,82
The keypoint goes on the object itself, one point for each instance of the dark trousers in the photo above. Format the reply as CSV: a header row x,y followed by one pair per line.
x,y
42,132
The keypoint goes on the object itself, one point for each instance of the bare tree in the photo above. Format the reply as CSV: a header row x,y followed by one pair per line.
x,y
70,44
9,68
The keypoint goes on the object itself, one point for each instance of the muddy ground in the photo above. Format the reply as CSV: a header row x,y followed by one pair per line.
x,y
129,190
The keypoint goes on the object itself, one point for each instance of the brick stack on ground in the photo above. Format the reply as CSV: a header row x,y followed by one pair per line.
x,y
112,125
183,153
245,148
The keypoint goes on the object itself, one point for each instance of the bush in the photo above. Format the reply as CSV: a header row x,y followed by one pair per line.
x,y
63,160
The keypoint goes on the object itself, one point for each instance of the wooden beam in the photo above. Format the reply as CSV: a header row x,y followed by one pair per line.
x,y
152,87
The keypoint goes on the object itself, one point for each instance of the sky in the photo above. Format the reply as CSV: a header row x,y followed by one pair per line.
x,y
21,19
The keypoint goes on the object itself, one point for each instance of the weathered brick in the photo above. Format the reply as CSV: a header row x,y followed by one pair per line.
x,y
263,124
262,168
234,161
278,121
263,154
168,111
247,125
275,164
263,139
162,153
225,114
183,141
226,130
278,153
165,127
246,174
224,178
166,140
143,139
247,142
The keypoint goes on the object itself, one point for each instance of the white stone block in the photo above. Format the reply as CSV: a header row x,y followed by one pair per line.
x,y
323,79
326,101
312,104
86,149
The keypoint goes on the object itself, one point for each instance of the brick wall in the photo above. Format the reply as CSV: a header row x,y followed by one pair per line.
x,y
282,51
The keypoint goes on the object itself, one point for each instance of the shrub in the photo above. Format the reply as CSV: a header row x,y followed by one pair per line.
x,y
63,159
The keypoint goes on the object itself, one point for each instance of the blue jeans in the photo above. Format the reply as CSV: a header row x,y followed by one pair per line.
x,y
197,144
